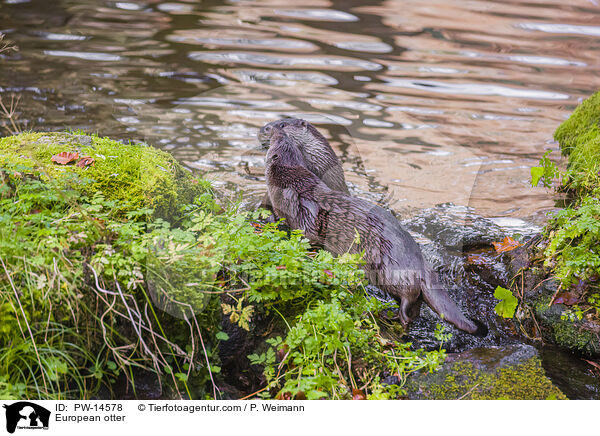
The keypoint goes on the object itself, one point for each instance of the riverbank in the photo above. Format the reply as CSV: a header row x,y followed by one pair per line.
x,y
559,273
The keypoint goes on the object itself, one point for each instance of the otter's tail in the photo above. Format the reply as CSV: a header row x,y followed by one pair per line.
x,y
439,300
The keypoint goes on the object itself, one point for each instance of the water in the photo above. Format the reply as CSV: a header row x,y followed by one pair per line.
x,y
426,102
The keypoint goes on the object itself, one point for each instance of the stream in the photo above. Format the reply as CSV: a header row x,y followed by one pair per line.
x,y
437,109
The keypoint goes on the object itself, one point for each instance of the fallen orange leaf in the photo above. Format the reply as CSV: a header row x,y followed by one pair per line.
x,y
85,161
284,396
65,157
507,244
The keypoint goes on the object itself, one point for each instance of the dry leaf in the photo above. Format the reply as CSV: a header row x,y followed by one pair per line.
x,y
300,396
284,396
85,161
329,273
507,244
288,396
280,267
357,394
65,157
567,298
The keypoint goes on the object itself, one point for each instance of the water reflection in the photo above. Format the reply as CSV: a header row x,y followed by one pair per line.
x,y
426,102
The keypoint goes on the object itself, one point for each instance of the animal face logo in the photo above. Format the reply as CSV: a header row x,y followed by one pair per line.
x,y
26,415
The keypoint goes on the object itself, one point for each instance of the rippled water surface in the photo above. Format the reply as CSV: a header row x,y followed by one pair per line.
x,y
426,102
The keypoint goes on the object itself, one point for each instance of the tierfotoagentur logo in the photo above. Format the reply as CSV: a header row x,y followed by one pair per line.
x,y
24,415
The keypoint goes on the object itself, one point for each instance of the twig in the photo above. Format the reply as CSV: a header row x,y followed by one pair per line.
x,y
10,113
6,46
262,389
215,388
555,295
133,323
175,347
468,392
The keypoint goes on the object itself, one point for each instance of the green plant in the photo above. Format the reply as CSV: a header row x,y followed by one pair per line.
x,y
574,246
546,172
442,335
508,302
335,348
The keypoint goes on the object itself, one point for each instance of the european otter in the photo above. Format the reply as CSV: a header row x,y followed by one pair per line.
x,y
318,155
330,218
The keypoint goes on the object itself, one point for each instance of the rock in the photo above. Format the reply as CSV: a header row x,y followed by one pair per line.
x,y
133,175
511,372
578,336
455,227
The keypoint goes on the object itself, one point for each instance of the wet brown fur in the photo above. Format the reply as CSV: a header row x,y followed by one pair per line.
x,y
330,218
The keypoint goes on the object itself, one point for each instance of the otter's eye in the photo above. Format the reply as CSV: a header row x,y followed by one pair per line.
x,y
304,124
275,157
281,125
267,129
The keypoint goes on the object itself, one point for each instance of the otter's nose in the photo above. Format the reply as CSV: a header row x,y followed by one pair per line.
x,y
264,135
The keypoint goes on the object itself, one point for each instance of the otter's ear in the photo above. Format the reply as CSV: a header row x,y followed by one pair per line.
x,y
304,124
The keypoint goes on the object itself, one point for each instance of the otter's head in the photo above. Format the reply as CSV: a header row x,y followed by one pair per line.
x,y
282,149
301,132
266,131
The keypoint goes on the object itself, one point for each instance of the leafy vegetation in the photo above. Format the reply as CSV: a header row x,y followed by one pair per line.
x,y
574,232
129,264
336,349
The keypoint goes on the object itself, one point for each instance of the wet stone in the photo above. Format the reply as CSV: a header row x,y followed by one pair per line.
x,y
510,372
455,227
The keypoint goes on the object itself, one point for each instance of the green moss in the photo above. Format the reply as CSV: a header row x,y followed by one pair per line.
x,y
133,175
586,116
579,139
570,335
463,380
585,156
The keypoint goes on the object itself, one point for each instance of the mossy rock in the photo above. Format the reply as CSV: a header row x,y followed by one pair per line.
x,y
579,139
580,337
512,373
135,175
583,119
